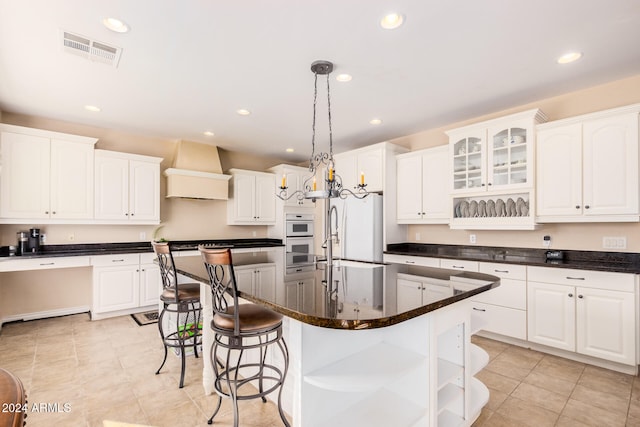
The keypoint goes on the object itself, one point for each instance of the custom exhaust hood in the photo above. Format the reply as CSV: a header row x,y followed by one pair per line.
x,y
197,173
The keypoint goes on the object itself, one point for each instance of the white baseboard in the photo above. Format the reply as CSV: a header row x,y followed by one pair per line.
x,y
45,314
106,315
614,366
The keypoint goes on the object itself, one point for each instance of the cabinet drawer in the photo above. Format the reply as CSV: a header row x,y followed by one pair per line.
x,y
504,271
458,264
115,260
147,258
585,278
412,260
43,263
510,294
500,320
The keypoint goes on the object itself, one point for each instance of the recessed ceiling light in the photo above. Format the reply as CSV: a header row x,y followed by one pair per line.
x,y
569,57
116,25
392,21
375,122
92,108
344,77
243,112
289,150
208,133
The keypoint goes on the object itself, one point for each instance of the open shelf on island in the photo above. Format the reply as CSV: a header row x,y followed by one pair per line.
x,y
479,359
366,370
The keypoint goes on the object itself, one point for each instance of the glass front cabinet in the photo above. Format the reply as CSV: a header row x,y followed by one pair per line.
x,y
493,172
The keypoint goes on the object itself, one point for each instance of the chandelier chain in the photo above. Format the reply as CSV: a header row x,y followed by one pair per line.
x,y
329,115
313,125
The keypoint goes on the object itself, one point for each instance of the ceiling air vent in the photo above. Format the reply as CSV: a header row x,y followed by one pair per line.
x,y
91,49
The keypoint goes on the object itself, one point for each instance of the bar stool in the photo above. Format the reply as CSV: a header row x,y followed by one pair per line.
x,y
183,301
238,328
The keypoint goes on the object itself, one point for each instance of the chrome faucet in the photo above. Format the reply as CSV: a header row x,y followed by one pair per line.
x,y
334,235
329,234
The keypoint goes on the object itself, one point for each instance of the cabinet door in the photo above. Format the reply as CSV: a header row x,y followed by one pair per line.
x,y
611,165
245,279
468,152
347,167
265,282
144,191
115,288
244,190
370,164
71,180
24,191
559,171
150,284
605,325
409,294
409,182
265,205
295,182
551,315
291,297
112,188
436,200
510,155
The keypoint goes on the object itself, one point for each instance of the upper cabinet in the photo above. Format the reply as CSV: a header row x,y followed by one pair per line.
x,y
252,198
422,187
293,178
46,176
368,162
127,188
494,155
493,166
587,168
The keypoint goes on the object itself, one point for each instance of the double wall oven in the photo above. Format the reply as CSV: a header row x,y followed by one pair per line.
x,y
299,242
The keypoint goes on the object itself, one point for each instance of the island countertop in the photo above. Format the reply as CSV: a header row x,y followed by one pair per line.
x,y
348,296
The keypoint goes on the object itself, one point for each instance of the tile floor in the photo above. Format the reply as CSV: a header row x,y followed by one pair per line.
x,y
105,370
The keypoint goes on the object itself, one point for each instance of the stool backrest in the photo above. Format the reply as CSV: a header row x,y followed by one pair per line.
x,y
222,278
167,268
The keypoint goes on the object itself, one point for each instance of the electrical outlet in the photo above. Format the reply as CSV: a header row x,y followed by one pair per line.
x,y
546,241
143,235
71,237
614,242
472,238
254,233
417,236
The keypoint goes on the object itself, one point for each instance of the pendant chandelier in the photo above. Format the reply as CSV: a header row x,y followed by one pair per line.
x,y
322,163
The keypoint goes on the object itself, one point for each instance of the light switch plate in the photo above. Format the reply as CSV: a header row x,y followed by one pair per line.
x,y
619,242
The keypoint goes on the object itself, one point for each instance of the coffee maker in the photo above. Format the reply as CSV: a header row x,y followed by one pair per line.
x,y
34,240
23,243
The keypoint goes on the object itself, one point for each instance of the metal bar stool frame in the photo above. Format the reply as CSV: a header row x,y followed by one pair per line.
x,y
235,332
183,300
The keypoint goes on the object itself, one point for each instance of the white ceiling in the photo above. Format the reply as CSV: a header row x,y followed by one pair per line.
x,y
187,66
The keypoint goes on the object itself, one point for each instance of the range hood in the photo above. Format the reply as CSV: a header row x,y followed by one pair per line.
x,y
197,173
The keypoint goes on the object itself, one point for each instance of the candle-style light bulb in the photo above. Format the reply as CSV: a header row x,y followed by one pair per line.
x,y
284,180
361,178
314,183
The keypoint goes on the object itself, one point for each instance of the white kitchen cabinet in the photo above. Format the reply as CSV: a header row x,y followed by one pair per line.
x,y
502,310
299,294
588,312
253,198
494,155
422,187
124,283
127,188
368,161
588,168
294,179
414,291
257,279
459,264
411,260
46,176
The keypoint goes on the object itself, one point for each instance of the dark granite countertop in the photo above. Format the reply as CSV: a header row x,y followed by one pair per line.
x,y
360,295
621,262
137,247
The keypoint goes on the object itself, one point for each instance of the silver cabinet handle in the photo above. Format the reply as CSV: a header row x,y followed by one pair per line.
x,y
479,309
458,266
570,295
575,278
47,263
580,296
410,262
501,271
117,260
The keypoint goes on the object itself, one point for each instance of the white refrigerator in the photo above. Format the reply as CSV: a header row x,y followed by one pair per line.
x,y
360,228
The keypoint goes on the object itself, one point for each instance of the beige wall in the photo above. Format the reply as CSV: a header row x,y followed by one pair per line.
x,y
563,236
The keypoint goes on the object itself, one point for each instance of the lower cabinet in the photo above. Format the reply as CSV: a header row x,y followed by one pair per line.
x,y
257,279
414,291
595,318
299,294
124,282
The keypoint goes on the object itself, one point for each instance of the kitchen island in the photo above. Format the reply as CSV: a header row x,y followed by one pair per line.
x,y
369,344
